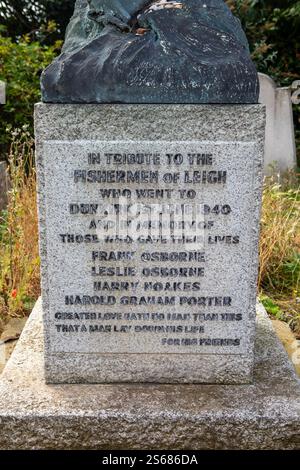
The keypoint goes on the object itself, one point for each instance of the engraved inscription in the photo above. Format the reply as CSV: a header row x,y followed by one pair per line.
x,y
143,240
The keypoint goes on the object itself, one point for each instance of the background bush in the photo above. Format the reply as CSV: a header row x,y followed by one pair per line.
x,y
273,31
272,28
21,64
32,17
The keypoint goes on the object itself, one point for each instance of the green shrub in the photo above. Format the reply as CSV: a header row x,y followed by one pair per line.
x,y
21,64
21,17
272,28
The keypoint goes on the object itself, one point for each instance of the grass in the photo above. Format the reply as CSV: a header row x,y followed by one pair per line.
x,y
19,258
279,274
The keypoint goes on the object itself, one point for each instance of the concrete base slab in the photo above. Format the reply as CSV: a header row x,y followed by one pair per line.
x,y
264,415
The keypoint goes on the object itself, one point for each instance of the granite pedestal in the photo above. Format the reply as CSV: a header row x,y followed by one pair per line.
x,y
149,226
263,415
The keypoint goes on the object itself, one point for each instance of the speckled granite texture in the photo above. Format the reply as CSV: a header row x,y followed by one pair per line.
x,y
65,134
265,415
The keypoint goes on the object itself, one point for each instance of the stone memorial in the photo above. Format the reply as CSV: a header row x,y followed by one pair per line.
x,y
2,92
280,146
149,145
149,222
149,211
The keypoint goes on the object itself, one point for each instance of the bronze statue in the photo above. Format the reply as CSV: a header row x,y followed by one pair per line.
x,y
141,51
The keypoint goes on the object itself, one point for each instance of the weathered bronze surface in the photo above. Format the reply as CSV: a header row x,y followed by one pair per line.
x,y
141,51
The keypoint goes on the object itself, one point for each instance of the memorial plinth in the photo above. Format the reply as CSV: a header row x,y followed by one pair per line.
x,y
174,303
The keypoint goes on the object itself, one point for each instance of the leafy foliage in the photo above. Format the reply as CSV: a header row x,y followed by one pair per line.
x,y
21,64
32,18
272,28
